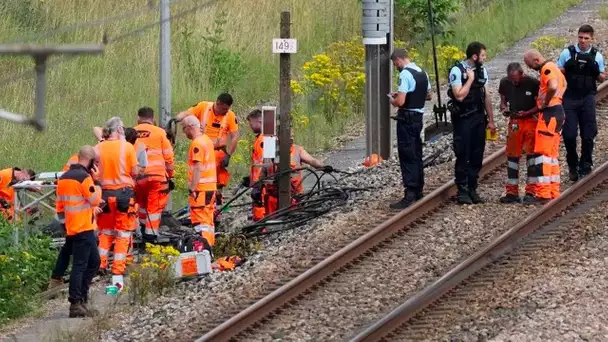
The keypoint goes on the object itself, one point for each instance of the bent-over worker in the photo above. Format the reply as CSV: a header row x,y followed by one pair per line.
x,y
77,203
8,177
218,123
549,126
518,94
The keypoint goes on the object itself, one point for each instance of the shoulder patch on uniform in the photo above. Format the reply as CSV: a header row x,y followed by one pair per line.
x,y
195,150
91,189
547,72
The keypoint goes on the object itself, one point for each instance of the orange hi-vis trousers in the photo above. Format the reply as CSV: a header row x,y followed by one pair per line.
x,y
223,177
152,197
546,152
116,225
520,138
202,209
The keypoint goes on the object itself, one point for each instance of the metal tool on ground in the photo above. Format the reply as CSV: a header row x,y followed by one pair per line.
x,y
441,126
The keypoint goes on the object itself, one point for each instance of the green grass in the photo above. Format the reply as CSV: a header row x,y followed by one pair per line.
x,y
503,22
604,13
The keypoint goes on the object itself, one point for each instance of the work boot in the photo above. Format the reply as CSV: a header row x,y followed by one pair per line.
x,y
510,198
463,197
53,283
573,175
77,309
528,199
536,200
583,171
475,198
404,202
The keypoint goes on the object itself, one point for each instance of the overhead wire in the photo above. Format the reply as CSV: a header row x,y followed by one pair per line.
x,y
108,40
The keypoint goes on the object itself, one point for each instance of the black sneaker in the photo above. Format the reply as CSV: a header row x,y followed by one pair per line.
x,y
403,203
583,171
475,198
510,198
463,198
574,175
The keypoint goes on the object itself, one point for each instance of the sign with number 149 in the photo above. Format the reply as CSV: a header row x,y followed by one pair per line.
x,y
283,45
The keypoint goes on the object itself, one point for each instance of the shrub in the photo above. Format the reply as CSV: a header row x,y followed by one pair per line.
x,y
547,44
24,271
154,275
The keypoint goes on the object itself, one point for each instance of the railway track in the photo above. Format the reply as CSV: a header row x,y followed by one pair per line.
x,y
366,251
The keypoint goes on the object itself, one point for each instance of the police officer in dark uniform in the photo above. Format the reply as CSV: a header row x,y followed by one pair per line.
x,y
469,102
414,90
583,66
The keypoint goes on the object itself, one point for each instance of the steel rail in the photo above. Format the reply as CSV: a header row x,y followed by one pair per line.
x,y
485,256
297,286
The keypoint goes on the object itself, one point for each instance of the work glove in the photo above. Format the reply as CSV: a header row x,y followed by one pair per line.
x,y
226,160
327,169
245,182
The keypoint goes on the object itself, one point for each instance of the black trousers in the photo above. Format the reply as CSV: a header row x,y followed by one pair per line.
x,y
84,266
580,113
409,147
469,145
63,259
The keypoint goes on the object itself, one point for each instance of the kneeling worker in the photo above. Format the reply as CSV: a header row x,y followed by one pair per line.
x,y
8,177
549,126
265,196
520,92
201,179
77,203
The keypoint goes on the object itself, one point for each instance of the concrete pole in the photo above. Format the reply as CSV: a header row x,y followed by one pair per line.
x,y
164,53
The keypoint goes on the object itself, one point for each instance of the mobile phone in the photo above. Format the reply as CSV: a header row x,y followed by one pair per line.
x,y
91,164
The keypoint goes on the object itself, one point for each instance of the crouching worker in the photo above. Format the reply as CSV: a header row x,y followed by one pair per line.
x,y
8,177
78,198
118,169
202,181
265,196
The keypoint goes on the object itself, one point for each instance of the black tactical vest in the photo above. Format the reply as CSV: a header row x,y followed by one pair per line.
x,y
477,95
581,72
416,99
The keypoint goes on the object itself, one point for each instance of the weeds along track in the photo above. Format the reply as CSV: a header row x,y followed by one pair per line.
x,y
348,290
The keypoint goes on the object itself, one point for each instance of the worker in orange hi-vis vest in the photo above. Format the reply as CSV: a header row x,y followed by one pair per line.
x,y
118,168
219,123
152,190
8,177
548,130
201,180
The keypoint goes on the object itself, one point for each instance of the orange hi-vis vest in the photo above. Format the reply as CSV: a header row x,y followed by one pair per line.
x,y
296,163
257,159
201,150
216,127
549,71
159,152
77,196
73,160
6,191
118,164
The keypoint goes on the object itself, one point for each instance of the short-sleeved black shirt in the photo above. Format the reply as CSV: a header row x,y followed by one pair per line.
x,y
521,97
